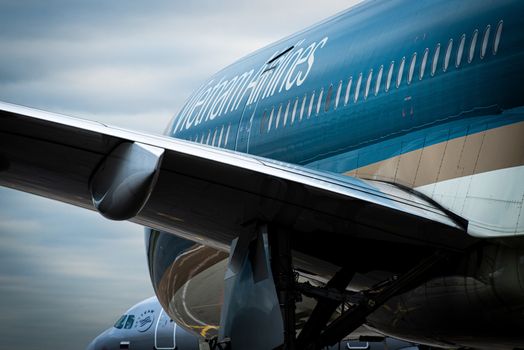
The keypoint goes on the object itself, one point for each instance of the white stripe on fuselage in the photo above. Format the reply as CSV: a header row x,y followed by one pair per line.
x,y
492,202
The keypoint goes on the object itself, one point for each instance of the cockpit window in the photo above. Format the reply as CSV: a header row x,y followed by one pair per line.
x,y
120,323
129,322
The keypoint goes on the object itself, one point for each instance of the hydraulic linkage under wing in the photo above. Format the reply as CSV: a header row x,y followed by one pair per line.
x,y
261,280
362,304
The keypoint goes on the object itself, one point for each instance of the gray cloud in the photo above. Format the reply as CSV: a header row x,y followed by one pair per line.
x,y
66,273
98,58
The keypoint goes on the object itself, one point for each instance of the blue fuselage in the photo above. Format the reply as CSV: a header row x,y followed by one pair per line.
x,y
425,94
455,89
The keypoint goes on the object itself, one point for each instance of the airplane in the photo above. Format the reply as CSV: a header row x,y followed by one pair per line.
x,y
366,170
146,326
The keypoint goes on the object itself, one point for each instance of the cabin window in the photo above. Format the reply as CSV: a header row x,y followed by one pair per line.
x,y
348,90
368,84
303,107
390,75
435,60
227,135
357,87
496,42
379,79
485,40
311,101
202,138
328,98
220,136
339,90
208,136
412,67
423,63
319,102
287,112
401,71
214,137
294,113
448,55
129,322
460,51
263,122
279,113
271,115
473,45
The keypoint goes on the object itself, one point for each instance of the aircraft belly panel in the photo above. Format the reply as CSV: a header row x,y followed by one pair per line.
x,y
479,292
480,303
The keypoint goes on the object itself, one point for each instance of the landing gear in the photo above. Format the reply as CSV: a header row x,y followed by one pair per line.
x,y
366,302
317,334
259,307
284,277
214,344
309,338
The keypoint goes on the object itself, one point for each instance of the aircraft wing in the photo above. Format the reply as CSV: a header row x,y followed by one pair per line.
x,y
207,194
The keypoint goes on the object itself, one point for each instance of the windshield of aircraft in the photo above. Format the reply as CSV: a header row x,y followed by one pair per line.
x,y
120,323
129,322
126,322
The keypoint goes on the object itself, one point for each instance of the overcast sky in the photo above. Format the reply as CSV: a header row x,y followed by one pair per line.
x,y
66,274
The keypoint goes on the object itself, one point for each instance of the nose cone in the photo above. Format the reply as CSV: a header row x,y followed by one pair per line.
x,y
99,343
92,345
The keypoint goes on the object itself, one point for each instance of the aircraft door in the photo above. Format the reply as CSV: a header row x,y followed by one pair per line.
x,y
244,128
165,332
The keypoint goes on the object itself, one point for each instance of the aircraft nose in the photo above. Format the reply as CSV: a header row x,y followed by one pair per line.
x,y
91,345
96,344
101,342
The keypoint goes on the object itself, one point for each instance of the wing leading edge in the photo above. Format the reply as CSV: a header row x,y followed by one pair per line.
x,y
212,195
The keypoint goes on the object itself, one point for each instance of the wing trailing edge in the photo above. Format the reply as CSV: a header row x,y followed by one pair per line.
x,y
207,194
